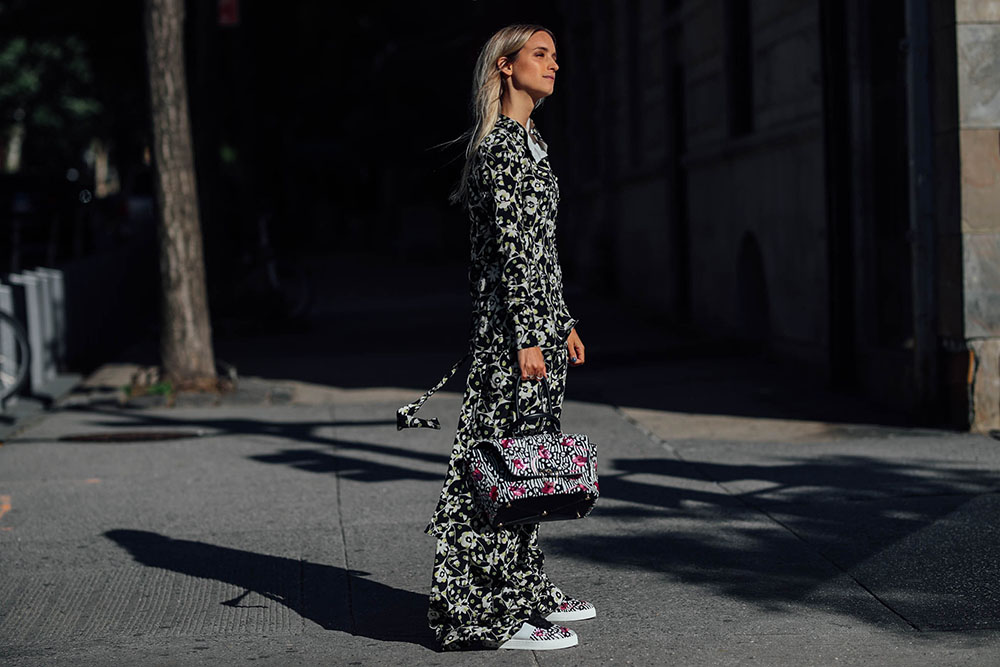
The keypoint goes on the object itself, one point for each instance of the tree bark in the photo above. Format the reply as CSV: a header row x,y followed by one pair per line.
x,y
186,339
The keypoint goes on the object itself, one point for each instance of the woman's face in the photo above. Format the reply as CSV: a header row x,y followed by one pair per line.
x,y
534,71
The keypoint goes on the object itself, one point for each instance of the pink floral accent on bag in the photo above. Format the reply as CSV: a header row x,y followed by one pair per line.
x,y
477,474
568,441
494,492
548,487
518,464
580,460
516,490
506,443
543,452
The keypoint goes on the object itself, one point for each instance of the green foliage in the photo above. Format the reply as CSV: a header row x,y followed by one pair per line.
x,y
47,85
157,389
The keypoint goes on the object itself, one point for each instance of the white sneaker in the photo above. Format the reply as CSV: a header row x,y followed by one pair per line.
x,y
572,610
533,638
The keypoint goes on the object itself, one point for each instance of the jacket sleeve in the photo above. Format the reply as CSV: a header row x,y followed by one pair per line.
x,y
557,267
501,172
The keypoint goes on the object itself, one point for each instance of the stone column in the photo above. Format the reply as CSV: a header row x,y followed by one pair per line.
x,y
977,33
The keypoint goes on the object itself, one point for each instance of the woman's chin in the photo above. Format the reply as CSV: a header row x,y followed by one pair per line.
x,y
539,94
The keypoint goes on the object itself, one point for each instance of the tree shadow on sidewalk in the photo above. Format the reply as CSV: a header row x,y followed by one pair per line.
x,y
881,540
356,467
786,481
330,596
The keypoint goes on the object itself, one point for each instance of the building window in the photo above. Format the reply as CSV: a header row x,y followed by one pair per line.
x,y
739,67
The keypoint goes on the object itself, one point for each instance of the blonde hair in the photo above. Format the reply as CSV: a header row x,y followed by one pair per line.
x,y
487,89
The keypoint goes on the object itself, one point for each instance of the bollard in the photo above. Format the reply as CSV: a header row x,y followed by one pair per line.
x,y
46,318
30,290
57,288
8,346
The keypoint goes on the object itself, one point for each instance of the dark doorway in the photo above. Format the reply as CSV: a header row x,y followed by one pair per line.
x,y
890,200
840,236
678,186
754,303
868,194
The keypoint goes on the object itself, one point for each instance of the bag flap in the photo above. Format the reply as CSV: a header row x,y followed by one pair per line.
x,y
542,454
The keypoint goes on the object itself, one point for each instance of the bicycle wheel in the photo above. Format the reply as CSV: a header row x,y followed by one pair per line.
x,y
15,356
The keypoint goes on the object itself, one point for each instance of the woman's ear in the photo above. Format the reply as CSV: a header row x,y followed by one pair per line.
x,y
505,65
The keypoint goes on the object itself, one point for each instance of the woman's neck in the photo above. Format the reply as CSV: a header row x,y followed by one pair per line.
x,y
517,104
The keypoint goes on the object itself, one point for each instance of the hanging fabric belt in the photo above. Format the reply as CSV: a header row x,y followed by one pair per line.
x,y
405,415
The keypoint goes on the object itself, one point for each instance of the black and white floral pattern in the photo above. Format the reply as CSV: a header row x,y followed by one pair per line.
x,y
515,277
548,634
487,583
572,609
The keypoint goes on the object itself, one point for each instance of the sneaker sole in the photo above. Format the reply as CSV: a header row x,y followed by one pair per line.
x,y
541,645
582,615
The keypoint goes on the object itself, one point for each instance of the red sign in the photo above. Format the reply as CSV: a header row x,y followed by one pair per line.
x,y
229,13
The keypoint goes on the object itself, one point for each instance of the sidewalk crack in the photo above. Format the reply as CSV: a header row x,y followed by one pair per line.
x,y
742,499
815,550
302,593
343,533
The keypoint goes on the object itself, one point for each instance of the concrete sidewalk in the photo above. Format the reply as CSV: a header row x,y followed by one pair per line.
x,y
291,535
747,516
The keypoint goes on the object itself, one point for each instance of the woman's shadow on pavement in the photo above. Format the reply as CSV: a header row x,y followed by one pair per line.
x,y
334,598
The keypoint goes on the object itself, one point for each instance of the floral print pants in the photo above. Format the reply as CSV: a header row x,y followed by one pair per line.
x,y
487,582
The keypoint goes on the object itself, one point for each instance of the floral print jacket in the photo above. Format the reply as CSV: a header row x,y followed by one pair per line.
x,y
515,272
514,277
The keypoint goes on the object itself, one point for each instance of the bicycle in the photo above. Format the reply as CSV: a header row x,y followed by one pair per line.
x,y
15,357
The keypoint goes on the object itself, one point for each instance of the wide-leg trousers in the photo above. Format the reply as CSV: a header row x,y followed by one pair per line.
x,y
487,583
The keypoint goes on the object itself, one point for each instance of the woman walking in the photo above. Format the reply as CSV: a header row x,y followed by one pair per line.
x,y
488,587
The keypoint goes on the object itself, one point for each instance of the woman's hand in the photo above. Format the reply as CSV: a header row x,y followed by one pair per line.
x,y
532,363
575,346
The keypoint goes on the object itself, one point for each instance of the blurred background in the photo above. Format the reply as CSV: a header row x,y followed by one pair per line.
x,y
813,182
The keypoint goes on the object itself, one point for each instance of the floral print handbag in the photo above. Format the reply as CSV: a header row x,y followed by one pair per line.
x,y
528,477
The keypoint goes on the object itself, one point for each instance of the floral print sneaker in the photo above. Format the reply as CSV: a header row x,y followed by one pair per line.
x,y
572,610
534,638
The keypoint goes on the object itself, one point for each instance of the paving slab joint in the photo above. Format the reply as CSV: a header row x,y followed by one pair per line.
x,y
644,430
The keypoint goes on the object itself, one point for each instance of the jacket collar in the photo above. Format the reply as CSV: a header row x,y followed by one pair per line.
x,y
537,147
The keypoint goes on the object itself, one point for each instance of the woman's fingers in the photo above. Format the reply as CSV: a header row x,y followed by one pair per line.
x,y
532,363
575,347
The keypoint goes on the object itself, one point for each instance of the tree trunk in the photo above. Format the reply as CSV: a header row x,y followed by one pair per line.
x,y
186,340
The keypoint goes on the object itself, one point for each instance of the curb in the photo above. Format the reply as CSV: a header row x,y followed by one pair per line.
x,y
29,410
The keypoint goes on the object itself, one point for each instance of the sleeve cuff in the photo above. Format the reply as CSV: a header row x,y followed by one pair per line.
x,y
526,339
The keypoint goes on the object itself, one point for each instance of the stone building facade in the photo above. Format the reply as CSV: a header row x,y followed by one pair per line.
x,y
821,177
